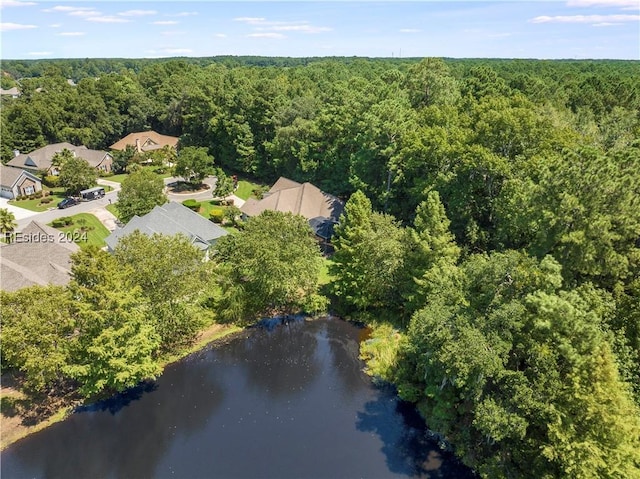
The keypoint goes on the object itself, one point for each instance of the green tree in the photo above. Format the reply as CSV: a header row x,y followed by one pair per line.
x,y
7,222
224,184
37,327
431,253
193,164
115,345
60,158
76,175
272,266
141,191
368,258
172,275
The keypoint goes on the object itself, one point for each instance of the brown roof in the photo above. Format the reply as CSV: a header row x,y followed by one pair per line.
x,y
304,199
148,140
9,176
40,159
37,257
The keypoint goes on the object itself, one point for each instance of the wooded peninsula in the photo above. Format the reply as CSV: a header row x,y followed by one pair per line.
x,y
490,237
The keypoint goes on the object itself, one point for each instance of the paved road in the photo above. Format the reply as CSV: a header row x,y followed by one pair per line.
x,y
97,207
54,213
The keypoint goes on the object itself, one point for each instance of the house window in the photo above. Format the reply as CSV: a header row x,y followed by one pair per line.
x,y
29,190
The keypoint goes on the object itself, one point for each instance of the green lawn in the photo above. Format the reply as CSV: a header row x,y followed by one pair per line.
x,y
36,205
325,277
245,189
117,178
92,232
121,177
113,209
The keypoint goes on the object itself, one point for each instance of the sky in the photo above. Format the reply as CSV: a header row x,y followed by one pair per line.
x,y
459,29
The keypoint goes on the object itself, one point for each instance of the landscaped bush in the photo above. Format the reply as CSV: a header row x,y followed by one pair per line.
x,y
46,200
62,221
216,201
38,194
216,215
51,181
191,204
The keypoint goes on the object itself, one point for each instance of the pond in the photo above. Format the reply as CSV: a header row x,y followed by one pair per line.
x,y
277,401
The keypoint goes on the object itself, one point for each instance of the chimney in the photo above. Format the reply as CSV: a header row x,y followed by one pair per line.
x,y
16,153
138,145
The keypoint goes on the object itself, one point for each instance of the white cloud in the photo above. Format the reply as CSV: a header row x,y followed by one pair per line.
x,y
267,35
67,9
108,19
300,28
410,30
137,13
251,20
220,35
606,24
85,13
586,19
14,3
71,34
55,25
7,27
39,54
165,22
623,4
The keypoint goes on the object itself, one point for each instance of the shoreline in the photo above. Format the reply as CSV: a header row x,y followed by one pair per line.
x,y
214,335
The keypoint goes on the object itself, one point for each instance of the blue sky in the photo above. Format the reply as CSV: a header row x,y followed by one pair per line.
x,y
148,29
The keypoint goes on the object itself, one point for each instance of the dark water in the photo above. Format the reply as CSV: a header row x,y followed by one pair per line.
x,y
282,401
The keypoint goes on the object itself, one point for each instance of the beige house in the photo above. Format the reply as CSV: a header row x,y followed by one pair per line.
x,y
38,255
41,159
15,182
321,209
145,141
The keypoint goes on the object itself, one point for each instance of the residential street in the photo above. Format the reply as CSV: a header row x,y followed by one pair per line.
x,y
97,207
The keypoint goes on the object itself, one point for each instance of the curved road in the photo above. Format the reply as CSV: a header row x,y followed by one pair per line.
x,y
97,207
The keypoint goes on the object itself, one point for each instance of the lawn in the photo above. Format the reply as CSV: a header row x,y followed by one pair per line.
x,y
113,209
119,178
245,189
57,195
86,230
325,277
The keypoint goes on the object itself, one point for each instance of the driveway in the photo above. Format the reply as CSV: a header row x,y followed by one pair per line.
x,y
19,213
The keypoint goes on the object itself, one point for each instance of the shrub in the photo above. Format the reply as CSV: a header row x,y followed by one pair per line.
x,y
191,204
46,200
59,223
38,194
216,201
51,181
216,215
32,197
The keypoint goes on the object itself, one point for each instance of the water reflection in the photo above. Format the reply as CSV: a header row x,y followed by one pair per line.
x,y
287,400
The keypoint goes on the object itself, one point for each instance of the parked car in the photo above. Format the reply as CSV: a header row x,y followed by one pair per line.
x,y
67,202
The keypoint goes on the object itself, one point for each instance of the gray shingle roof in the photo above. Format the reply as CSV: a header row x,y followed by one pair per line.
x,y
9,176
37,257
171,219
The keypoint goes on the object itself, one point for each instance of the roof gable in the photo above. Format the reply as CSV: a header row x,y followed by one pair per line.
x,y
171,219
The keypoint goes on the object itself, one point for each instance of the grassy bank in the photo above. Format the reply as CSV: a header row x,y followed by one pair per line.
x,y
85,230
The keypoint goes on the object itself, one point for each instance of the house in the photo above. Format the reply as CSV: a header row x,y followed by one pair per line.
x,y
145,141
38,255
15,182
41,159
171,219
12,92
321,209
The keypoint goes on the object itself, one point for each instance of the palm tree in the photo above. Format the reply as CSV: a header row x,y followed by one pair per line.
x,y
7,222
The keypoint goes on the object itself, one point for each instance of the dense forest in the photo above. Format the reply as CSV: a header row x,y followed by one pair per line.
x,y
491,233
